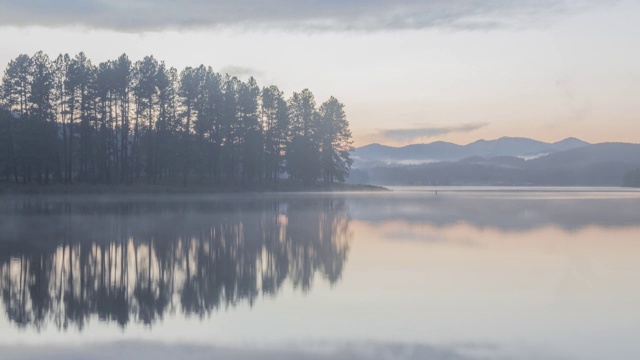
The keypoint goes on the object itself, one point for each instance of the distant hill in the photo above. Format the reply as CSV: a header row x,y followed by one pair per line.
x,y
376,154
606,164
596,153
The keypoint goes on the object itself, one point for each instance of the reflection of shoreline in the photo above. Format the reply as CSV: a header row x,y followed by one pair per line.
x,y
125,262
511,215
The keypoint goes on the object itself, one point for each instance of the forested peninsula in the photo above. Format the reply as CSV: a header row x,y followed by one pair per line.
x,y
67,122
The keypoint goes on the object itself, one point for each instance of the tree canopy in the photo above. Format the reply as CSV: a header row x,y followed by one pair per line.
x,y
69,120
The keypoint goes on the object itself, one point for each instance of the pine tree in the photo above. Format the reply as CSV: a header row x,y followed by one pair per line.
x,y
275,122
303,150
335,141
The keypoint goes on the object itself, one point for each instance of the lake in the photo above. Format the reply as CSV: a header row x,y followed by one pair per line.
x,y
467,273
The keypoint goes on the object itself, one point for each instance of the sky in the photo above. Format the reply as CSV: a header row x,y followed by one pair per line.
x,y
408,71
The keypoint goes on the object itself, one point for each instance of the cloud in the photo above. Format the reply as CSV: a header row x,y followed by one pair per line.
x,y
240,71
371,15
417,134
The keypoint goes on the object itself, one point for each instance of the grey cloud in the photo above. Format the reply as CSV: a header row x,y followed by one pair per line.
x,y
416,134
371,15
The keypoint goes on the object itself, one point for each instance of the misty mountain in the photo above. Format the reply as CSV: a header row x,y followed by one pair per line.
x,y
597,153
376,154
604,164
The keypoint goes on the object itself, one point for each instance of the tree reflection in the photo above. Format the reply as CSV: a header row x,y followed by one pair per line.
x,y
141,261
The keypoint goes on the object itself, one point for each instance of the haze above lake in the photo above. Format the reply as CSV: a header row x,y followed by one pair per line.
x,y
467,273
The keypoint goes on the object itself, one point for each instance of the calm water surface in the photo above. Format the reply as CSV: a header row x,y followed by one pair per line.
x,y
469,273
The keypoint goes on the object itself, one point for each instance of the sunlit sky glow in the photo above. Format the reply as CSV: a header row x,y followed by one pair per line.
x,y
408,71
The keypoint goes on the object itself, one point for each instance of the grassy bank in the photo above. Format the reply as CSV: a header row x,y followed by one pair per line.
x,y
284,186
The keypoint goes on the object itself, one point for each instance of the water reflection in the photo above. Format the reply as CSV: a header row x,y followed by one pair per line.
x,y
503,214
65,261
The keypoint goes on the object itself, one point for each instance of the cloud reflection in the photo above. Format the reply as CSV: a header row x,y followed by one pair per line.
x,y
159,351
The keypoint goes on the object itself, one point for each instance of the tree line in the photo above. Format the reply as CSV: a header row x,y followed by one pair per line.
x,y
67,120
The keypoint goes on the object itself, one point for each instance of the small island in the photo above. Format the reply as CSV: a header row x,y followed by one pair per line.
x,y
68,125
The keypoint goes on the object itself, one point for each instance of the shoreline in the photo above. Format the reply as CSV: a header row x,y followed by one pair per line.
x,y
284,187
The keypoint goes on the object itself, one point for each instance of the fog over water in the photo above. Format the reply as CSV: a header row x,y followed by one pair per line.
x,y
464,273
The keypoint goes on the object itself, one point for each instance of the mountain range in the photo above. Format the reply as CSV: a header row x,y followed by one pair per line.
x,y
505,161
377,154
